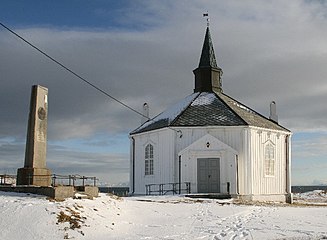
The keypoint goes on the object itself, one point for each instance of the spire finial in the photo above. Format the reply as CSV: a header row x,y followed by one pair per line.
x,y
206,15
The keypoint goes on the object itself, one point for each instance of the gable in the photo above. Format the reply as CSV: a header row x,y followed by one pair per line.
x,y
208,142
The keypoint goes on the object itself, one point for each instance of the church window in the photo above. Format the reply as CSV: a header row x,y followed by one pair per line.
x,y
269,160
149,159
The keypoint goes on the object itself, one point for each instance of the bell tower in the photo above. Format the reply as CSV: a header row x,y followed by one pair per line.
x,y
208,76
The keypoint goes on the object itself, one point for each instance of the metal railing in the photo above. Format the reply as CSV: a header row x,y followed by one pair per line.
x,y
73,180
164,188
56,180
6,179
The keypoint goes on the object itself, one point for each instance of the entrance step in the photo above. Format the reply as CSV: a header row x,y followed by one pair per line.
x,y
210,195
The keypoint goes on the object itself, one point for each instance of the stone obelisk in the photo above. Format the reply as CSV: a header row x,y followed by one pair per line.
x,y
34,171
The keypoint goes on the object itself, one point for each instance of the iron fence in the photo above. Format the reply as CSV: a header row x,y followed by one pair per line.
x,y
73,180
56,180
6,179
164,188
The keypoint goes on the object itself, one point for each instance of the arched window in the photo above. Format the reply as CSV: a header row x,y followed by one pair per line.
x,y
269,160
149,159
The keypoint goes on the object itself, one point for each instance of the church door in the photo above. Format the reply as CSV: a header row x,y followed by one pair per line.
x,y
208,175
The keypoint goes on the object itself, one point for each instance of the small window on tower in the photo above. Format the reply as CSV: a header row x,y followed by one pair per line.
x,y
269,160
149,159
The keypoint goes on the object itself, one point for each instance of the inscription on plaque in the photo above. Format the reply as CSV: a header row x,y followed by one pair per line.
x,y
40,133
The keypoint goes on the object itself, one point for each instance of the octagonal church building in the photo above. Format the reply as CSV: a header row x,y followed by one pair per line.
x,y
210,143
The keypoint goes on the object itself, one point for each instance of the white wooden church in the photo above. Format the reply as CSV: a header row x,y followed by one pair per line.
x,y
212,144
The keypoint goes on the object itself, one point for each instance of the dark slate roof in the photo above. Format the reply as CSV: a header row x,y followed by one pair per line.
x,y
208,109
251,117
208,58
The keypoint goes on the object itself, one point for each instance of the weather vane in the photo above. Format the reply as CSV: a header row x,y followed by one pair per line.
x,y
206,15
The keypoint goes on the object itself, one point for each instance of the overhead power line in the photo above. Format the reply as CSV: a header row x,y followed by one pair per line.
x,y
72,72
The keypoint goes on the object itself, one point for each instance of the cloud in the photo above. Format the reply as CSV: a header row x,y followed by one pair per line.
x,y
12,155
310,145
268,51
67,159
109,168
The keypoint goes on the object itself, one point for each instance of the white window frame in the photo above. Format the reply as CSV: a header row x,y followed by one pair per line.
x,y
148,160
269,159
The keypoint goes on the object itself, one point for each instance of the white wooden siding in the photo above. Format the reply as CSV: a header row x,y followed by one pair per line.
x,y
163,159
247,141
167,144
263,184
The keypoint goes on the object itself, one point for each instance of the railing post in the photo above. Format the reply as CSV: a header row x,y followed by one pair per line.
x,y
188,187
54,180
163,188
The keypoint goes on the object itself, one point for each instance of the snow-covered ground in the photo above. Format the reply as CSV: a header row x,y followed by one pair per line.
x,y
27,217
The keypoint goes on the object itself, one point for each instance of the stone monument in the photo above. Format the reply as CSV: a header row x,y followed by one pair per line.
x,y
34,171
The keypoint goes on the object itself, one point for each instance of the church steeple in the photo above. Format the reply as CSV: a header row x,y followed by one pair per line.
x,y
208,74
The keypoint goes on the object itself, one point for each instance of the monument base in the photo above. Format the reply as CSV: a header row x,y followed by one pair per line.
x,y
34,176
58,193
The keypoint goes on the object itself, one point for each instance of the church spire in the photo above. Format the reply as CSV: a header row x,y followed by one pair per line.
x,y
208,58
208,74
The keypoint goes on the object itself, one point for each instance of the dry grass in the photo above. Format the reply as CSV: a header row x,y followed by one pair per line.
x,y
113,196
72,217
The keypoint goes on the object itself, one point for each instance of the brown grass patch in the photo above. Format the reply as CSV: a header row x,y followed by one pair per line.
x,y
72,217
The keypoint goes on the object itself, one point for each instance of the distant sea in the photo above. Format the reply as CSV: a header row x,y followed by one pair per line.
x,y
119,191
302,189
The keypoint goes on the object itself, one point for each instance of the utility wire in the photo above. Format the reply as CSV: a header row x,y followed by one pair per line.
x,y
72,72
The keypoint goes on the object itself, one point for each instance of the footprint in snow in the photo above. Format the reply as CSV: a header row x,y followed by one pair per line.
x,y
223,234
152,226
244,234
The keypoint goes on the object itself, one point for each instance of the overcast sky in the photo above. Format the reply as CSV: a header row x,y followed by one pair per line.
x,y
145,51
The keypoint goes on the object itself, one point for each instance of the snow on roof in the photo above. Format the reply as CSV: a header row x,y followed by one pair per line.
x,y
170,114
205,98
243,107
174,111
